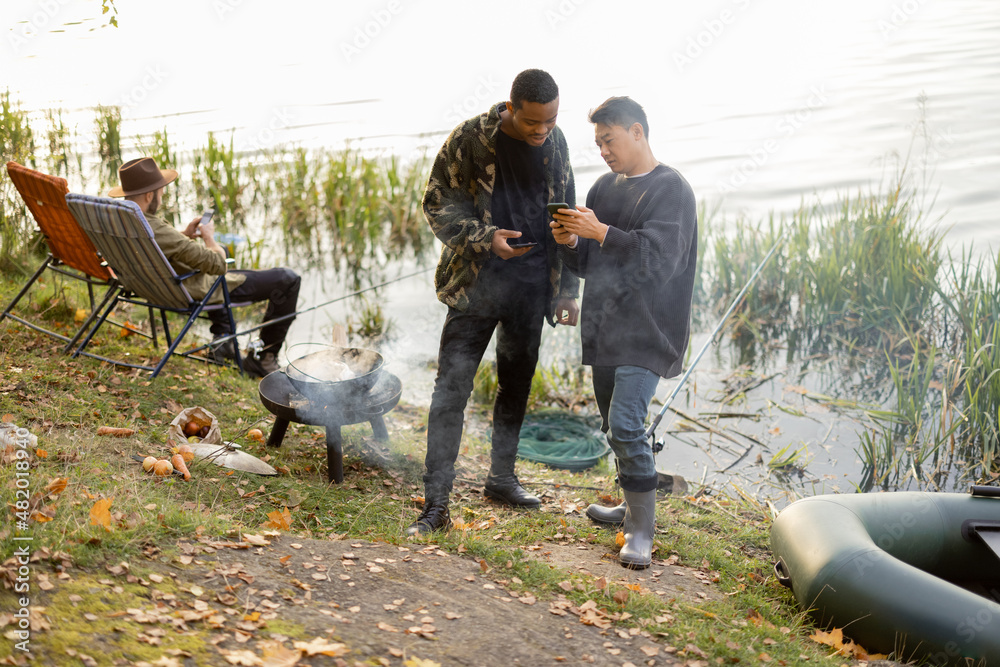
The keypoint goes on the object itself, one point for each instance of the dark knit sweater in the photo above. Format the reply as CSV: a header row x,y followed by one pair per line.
x,y
638,286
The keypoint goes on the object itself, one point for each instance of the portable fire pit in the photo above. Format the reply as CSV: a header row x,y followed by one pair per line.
x,y
281,398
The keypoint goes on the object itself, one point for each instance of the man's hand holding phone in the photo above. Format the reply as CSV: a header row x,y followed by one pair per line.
x,y
193,230
555,206
581,222
506,244
206,228
559,233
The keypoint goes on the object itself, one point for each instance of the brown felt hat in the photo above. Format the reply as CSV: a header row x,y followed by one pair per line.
x,y
141,175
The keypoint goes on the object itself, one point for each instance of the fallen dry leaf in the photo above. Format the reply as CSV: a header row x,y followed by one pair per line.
x,y
243,658
320,646
419,662
128,329
835,640
100,514
57,485
275,654
282,520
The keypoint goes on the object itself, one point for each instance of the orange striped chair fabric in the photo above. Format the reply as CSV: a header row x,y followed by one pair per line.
x,y
45,197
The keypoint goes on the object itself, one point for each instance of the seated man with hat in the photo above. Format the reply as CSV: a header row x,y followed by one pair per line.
x,y
142,182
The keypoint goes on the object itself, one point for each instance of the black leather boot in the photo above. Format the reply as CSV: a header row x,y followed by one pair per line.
x,y
507,489
435,516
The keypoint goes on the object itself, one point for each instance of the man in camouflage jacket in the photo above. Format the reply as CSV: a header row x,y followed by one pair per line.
x,y
488,188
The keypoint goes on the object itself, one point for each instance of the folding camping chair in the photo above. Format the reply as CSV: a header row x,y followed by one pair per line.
x,y
125,240
70,251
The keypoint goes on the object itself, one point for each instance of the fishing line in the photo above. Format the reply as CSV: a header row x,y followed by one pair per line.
x,y
222,339
651,431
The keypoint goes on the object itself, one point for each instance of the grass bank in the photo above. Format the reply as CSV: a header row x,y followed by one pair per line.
x,y
97,522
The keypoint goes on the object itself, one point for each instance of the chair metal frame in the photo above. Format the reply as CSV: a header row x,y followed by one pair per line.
x,y
145,277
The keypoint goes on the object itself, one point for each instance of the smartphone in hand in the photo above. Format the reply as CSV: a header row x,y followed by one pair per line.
x,y
206,216
555,206
518,243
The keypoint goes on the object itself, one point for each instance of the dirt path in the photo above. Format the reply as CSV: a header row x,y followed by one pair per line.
x,y
391,603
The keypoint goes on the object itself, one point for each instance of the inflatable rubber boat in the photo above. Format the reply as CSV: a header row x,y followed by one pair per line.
x,y
915,575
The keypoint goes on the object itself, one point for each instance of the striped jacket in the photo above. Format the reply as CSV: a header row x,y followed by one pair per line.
x,y
457,206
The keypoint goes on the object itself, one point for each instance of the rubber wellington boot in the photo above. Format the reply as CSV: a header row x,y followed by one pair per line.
x,y
640,521
614,516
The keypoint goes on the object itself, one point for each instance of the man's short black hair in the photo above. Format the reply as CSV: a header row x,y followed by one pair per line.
x,y
533,85
621,111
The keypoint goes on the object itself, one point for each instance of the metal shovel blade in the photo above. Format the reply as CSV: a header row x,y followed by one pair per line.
x,y
229,455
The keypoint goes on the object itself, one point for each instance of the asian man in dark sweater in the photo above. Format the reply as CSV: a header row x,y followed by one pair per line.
x,y
635,244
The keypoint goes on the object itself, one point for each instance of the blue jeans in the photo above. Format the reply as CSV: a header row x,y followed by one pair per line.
x,y
623,395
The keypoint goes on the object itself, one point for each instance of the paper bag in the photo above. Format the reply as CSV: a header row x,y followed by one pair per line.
x,y
202,417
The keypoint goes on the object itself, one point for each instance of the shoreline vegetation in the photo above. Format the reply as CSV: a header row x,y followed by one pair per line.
x,y
864,283
865,279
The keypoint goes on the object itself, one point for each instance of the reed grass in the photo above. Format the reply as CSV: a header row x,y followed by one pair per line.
x,y
109,144
869,279
57,136
218,180
17,143
328,207
974,300
159,149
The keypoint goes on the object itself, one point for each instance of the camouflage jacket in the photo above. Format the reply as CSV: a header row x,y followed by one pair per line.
x,y
457,205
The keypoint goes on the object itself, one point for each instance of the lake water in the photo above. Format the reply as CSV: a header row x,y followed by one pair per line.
x,y
762,104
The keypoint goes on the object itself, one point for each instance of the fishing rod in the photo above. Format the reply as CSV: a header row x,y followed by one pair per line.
x,y
222,339
651,431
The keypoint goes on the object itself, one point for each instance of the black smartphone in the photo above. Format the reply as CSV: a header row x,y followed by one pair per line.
x,y
206,216
518,243
554,207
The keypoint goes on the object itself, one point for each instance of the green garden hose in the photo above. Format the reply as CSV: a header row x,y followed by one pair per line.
x,y
561,440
